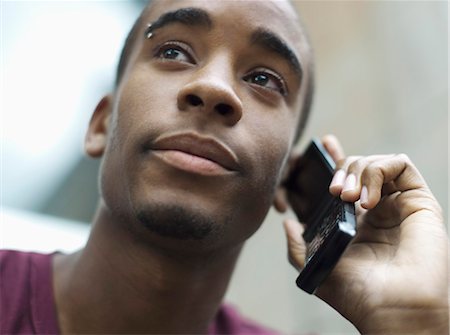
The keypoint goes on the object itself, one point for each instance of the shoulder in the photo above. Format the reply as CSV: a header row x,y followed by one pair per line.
x,y
18,271
15,288
14,268
18,264
229,321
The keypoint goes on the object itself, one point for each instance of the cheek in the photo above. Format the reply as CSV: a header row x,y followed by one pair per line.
x,y
139,99
270,147
136,115
142,108
146,94
273,140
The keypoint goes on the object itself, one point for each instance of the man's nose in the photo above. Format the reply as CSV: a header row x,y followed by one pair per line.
x,y
211,94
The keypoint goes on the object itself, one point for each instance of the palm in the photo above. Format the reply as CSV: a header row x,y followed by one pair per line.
x,y
383,266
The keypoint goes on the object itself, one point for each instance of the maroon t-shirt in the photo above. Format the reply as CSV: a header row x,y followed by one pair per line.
x,y
27,305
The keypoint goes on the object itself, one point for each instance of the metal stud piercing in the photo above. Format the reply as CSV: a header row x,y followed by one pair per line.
x,y
148,31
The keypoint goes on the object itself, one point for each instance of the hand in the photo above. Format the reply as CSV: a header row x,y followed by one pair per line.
x,y
393,277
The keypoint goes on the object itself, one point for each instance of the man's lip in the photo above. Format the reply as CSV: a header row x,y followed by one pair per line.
x,y
201,146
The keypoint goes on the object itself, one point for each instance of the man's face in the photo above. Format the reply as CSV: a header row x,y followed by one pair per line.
x,y
204,118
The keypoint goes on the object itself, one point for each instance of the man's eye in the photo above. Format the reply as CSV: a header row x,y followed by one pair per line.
x,y
175,51
267,80
172,53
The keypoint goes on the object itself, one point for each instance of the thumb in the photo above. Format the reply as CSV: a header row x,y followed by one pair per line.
x,y
295,242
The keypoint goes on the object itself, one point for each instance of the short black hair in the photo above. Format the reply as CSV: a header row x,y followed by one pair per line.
x,y
136,31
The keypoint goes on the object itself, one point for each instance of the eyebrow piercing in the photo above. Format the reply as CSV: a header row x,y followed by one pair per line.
x,y
148,31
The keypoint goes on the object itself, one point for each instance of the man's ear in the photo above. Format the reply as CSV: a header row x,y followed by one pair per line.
x,y
97,133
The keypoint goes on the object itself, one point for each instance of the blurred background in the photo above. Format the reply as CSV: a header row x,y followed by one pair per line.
x,y
382,87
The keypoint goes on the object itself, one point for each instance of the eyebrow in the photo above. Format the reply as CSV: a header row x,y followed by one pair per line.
x,y
188,16
271,42
266,39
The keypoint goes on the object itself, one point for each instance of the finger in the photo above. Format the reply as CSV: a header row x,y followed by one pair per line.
x,y
334,147
339,178
352,187
296,244
337,183
395,173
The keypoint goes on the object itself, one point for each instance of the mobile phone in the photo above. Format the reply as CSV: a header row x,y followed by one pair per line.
x,y
330,222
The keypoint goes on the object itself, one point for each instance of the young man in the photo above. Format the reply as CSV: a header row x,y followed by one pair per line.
x,y
195,143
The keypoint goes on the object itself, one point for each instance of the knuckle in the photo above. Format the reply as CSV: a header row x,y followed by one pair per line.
x,y
376,166
343,163
403,157
373,172
356,164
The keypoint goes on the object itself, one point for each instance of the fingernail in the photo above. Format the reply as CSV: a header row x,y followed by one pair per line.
x,y
350,183
364,197
338,179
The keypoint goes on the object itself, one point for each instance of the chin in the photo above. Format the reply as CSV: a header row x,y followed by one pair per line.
x,y
180,213
178,222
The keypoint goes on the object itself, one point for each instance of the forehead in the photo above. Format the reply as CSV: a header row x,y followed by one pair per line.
x,y
242,16
239,8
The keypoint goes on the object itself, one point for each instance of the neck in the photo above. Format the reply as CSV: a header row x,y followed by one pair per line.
x,y
117,284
